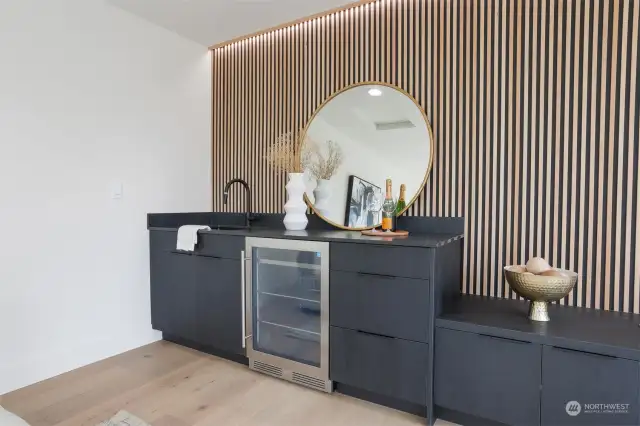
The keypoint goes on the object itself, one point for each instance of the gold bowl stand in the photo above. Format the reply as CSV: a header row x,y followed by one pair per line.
x,y
539,289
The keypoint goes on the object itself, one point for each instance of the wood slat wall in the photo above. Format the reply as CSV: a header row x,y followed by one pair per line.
x,y
535,110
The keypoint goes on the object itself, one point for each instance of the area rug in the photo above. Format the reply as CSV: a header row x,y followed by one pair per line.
x,y
123,419
10,419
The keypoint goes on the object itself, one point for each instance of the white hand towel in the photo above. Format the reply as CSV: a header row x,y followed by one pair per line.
x,y
188,236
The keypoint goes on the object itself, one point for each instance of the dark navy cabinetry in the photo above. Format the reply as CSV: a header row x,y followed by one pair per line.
x,y
400,332
387,366
589,379
218,303
173,287
380,319
495,366
489,377
383,304
387,305
196,297
384,296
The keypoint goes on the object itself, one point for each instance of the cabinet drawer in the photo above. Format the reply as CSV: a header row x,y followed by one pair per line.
x,y
587,378
223,246
391,306
493,378
408,262
393,367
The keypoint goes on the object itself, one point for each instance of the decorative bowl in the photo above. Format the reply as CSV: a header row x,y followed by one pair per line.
x,y
540,289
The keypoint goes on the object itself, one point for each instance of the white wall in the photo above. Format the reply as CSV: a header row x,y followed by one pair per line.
x,y
89,96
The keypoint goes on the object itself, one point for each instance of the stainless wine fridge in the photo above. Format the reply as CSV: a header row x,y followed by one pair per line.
x,y
286,314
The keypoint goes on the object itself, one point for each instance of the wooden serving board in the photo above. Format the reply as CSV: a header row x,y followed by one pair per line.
x,y
397,233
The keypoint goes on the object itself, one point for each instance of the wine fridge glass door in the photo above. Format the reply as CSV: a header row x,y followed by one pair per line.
x,y
286,292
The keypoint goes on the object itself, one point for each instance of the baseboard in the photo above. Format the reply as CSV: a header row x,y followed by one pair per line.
x,y
397,404
241,359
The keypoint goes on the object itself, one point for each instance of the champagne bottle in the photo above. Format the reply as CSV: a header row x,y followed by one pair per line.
x,y
388,209
401,201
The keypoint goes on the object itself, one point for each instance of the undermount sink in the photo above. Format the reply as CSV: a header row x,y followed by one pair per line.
x,y
228,227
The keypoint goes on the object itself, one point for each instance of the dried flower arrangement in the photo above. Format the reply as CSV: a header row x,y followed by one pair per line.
x,y
321,160
285,154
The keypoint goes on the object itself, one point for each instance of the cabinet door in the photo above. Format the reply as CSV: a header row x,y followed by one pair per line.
x,y
218,303
159,257
173,294
582,379
387,366
492,378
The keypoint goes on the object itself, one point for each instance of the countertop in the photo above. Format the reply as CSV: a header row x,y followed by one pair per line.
x,y
603,332
426,240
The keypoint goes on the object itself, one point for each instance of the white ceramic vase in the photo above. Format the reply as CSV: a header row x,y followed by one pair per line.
x,y
296,208
322,193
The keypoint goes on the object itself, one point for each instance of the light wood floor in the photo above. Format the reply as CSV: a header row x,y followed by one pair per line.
x,y
169,385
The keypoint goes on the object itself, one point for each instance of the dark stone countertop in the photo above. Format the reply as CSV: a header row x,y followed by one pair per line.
x,y
591,330
428,232
413,240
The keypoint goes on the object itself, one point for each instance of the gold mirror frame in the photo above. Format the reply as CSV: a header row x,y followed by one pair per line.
x,y
429,129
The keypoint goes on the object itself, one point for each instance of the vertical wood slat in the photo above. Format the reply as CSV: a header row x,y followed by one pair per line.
x,y
495,248
592,144
604,68
575,43
532,92
623,26
467,137
502,227
511,16
613,67
550,97
534,108
581,294
483,144
632,299
540,123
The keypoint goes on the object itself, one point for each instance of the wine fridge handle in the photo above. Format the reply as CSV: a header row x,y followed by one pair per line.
x,y
244,298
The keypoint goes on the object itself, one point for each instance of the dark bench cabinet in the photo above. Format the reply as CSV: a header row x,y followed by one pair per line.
x,y
493,366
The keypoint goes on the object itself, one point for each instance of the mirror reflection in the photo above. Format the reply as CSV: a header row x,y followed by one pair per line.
x,y
360,138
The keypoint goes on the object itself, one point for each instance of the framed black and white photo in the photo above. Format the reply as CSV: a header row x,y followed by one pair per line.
x,y
357,213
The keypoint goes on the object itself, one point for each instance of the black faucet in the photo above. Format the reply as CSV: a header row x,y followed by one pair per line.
x,y
249,216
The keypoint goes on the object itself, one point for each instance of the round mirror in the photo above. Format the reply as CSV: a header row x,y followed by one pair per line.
x,y
359,138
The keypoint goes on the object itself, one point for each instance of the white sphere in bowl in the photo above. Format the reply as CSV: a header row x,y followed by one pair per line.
x,y
537,265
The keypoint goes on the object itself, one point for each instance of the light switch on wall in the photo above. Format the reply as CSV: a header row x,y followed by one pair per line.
x,y
116,190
